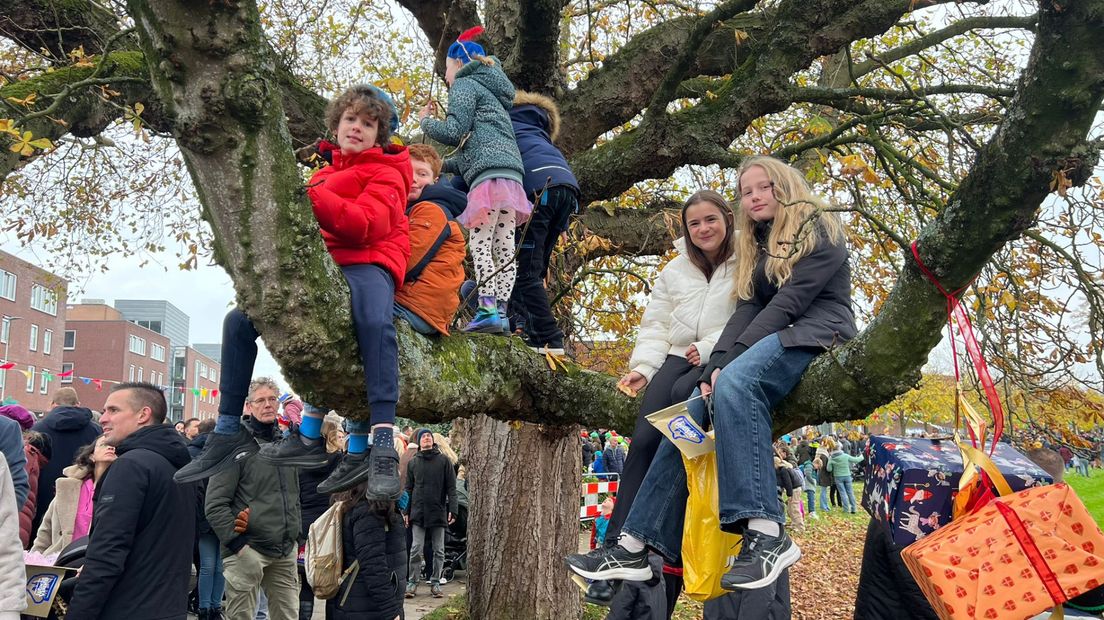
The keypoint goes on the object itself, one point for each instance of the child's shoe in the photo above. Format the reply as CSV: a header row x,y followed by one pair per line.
x,y
486,319
504,317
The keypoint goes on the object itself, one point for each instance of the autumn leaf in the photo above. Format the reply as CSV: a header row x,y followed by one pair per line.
x,y
25,145
628,391
1060,183
26,102
741,36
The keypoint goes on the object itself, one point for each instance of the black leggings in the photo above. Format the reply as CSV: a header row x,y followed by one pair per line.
x,y
673,383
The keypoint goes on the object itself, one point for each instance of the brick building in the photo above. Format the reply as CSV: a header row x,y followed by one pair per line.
x,y
32,320
194,372
100,344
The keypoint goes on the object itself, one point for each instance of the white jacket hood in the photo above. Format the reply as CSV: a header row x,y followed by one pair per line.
x,y
684,310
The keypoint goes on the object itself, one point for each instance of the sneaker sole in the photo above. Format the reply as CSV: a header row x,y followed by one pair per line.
x,y
312,462
785,561
610,574
233,457
360,475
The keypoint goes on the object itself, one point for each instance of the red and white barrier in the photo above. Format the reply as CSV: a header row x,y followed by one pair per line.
x,y
590,492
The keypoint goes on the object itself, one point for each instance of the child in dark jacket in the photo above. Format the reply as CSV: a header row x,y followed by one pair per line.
x,y
373,536
487,156
359,201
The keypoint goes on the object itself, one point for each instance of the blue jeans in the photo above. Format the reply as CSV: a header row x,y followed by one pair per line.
x,y
824,491
745,393
810,500
418,323
847,493
211,583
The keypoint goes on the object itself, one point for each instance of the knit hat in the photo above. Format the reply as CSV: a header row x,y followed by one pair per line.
x,y
19,414
464,49
418,435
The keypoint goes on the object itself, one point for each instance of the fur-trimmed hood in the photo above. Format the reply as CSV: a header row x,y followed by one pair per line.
x,y
551,110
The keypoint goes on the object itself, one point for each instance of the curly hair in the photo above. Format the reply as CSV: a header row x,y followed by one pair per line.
x,y
362,99
262,382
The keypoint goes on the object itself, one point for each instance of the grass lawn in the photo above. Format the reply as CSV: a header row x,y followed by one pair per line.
x,y
1090,490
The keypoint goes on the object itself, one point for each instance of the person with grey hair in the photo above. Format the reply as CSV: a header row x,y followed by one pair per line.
x,y
253,507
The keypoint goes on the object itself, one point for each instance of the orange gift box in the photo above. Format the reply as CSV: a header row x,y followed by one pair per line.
x,y
1015,557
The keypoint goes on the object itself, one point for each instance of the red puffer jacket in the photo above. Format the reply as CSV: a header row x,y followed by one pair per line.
x,y
360,203
35,461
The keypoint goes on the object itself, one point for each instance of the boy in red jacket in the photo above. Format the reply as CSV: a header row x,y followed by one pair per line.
x,y
359,202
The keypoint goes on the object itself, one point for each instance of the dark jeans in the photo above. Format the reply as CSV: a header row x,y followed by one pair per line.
x,y
529,307
664,390
746,392
372,299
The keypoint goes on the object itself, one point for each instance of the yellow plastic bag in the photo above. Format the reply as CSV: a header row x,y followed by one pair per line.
x,y
705,548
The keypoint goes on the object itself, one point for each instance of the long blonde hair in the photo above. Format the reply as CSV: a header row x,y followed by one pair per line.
x,y
794,232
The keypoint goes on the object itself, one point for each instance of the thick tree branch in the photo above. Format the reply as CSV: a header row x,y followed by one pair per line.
x,y
832,96
527,40
1043,133
58,26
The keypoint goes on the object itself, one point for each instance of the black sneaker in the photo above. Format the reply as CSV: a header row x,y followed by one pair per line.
x,y
383,474
614,562
761,561
220,452
601,592
351,471
290,451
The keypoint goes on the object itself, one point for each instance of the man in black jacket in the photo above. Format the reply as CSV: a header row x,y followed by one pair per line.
x,y
69,427
431,483
143,524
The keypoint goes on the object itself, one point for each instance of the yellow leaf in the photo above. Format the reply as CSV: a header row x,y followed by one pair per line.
x,y
1060,183
26,102
740,35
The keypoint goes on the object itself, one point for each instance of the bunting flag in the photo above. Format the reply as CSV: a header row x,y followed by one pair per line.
x,y
195,391
7,365
46,376
86,380
28,374
49,375
214,393
99,384
203,393
68,373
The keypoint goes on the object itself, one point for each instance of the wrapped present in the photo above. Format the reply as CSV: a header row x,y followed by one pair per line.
x,y
1018,555
911,483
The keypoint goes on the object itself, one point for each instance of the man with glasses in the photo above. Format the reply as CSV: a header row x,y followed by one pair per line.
x,y
253,507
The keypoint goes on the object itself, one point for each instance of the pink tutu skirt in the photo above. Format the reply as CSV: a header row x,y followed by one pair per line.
x,y
492,195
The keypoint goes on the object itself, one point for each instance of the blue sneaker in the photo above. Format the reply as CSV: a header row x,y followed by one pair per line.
x,y
486,320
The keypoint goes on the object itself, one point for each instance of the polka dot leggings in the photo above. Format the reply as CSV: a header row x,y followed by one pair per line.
x,y
492,250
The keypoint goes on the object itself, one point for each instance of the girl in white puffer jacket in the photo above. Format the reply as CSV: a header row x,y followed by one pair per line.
x,y
691,302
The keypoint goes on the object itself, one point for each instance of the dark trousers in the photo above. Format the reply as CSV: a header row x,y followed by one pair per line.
x,y
529,307
372,298
673,383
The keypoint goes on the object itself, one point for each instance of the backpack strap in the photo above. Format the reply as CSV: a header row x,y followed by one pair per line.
x,y
415,271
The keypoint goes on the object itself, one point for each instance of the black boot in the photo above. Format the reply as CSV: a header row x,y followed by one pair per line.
x,y
215,613
601,592
306,609
220,452
203,614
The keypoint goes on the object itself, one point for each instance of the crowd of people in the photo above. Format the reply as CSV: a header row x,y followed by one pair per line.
x,y
229,546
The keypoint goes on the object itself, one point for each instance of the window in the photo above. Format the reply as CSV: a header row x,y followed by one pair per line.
x,y
34,337
7,285
157,352
43,384
67,367
153,326
132,372
44,299
47,341
212,375
70,340
5,330
30,378
203,370
137,345
139,374
3,381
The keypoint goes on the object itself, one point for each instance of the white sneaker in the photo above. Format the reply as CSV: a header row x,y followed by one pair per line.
x,y
443,581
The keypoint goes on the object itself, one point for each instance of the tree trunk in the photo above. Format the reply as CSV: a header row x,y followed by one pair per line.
x,y
523,518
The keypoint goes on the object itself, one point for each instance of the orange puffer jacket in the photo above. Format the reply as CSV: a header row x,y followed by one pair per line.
x,y
434,296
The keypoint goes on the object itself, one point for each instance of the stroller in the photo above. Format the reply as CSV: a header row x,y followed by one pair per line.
x,y
456,545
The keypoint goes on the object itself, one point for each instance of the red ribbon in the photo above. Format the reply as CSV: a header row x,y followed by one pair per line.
x,y
1027,543
956,316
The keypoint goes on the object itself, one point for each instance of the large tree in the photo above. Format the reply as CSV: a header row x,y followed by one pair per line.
x,y
921,132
